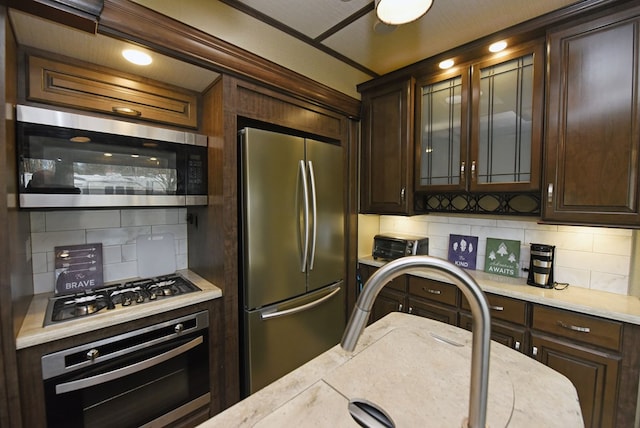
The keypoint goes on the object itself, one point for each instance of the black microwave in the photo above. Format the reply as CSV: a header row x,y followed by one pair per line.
x,y
69,160
393,246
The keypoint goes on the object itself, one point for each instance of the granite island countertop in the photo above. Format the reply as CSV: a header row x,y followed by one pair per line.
x,y
32,332
591,302
417,370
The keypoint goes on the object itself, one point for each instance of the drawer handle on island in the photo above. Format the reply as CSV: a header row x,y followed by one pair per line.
x,y
517,346
574,327
497,308
431,291
126,111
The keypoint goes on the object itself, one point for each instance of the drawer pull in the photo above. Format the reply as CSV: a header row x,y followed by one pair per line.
x,y
517,346
497,308
400,307
574,327
126,111
410,309
430,291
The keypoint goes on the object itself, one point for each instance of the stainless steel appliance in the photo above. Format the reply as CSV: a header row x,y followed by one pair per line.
x,y
541,265
148,377
73,160
115,296
292,227
390,247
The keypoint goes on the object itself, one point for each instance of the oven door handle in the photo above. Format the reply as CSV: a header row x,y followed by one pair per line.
x,y
127,370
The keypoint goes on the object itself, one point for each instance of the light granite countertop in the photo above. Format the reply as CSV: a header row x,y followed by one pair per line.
x,y
32,332
418,371
592,302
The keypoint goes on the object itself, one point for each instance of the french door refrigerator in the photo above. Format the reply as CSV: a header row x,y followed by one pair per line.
x,y
292,250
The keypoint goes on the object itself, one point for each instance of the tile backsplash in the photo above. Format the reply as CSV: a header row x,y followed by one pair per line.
x,y
117,230
591,257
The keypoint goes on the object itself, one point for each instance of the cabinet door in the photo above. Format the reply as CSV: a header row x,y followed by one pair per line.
x,y
506,121
387,144
387,301
441,149
593,373
593,135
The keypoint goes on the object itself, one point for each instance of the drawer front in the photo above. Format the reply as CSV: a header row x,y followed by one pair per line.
x,y
503,308
584,328
399,283
433,290
84,88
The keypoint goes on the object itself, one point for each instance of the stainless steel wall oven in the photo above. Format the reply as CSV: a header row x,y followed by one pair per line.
x,y
148,377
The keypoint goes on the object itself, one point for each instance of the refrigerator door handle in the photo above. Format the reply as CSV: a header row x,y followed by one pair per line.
x,y
301,308
305,197
314,207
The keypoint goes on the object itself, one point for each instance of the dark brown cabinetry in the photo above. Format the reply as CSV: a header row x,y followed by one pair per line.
x,y
387,149
89,87
508,320
592,151
600,356
585,349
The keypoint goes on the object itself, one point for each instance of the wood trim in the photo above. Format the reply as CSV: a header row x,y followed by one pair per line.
x,y
79,14
127,20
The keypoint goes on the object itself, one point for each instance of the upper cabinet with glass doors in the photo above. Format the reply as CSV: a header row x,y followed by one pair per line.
x,y
479,125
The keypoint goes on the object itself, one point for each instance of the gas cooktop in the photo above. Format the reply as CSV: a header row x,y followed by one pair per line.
x,y
75,306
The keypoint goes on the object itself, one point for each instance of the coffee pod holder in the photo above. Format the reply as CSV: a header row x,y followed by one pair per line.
x,y
541,265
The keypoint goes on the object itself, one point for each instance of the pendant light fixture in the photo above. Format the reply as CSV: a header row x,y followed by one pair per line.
x,y
396,12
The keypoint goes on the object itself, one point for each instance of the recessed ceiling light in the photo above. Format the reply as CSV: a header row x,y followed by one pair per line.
x,y
136,57
498,46
135,156
108,155
80,139
447,63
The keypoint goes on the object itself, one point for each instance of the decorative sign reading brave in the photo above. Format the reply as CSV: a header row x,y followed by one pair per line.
x,y
463,250
78,268
502,257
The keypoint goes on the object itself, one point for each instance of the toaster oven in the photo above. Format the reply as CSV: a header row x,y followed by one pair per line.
x,y
393,246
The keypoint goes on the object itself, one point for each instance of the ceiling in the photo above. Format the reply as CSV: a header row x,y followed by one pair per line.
x,y
331,41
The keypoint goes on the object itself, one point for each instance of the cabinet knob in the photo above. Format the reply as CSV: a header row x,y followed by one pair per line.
x,y
462,166
473,171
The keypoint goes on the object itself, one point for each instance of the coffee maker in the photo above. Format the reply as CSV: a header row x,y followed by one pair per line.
x,y
541,265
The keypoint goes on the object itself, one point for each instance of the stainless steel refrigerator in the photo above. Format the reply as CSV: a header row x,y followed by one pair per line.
x,y
292,239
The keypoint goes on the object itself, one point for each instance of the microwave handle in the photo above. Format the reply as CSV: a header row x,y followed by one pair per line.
x,y
127,370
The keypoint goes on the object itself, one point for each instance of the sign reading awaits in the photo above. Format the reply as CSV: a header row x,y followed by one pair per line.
x,y
502,257
78,268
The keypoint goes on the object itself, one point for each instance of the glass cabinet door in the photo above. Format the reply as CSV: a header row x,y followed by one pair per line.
x,y
442,134
506,124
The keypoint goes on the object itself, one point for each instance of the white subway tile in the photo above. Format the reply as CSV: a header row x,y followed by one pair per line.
x,y
182,246
612,244
45,241
111,254
573,276
498,233
562,240
446,229
51,260
149,217
181,261
39,262
179,231
474,221
75,220
117,236
618,284
38,222
182,215
129,253
43,283
120,271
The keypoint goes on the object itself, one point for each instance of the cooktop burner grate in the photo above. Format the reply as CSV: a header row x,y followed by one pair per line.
x,y
74,306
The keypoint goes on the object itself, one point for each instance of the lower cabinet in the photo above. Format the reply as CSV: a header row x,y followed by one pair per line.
x,y
588,351
600,356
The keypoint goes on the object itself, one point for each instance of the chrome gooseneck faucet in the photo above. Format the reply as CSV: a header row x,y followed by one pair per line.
x,y
481,339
